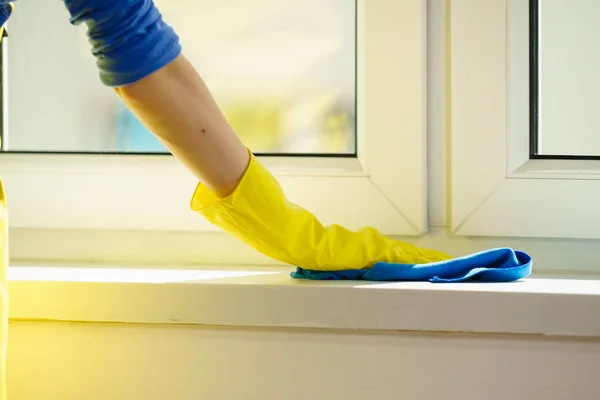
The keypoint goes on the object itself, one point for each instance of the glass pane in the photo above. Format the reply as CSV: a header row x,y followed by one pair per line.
x,y
283,71
568,86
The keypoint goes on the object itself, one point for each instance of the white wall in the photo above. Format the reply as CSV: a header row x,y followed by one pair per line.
x,y
62,361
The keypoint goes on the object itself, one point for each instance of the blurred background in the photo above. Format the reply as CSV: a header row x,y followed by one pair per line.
x,y
283,71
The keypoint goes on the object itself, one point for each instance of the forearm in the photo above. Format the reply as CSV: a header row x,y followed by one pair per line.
x,y
140,55
176,105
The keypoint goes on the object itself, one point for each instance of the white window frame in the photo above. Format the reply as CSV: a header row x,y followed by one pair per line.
x,y
496,189
384,187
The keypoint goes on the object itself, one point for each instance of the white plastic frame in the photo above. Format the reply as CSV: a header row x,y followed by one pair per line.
x,y
384,187
496,189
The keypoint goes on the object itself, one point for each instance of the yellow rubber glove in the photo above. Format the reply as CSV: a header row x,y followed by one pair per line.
x,y
3,292
5,12
258,213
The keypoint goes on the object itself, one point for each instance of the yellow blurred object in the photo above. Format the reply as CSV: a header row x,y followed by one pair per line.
x,y
259,123
259,214
3,292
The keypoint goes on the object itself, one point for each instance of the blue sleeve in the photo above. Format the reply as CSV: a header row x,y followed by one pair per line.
x,y
129,38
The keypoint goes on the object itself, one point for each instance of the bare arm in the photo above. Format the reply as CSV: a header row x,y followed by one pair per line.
x,y
177,106
140,56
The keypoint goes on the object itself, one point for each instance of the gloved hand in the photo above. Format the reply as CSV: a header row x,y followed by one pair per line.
x,y
258,213
3,291
6,9
129,38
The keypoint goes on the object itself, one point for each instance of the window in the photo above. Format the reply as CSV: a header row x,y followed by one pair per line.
x,y
379,180
283,72
523,160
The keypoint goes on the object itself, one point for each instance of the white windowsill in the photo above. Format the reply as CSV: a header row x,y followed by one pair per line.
x,y
267,297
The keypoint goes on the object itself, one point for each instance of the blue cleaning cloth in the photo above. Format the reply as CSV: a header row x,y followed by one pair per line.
x,y
497,265
129,37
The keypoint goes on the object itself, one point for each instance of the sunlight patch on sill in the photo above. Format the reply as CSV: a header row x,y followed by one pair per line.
x,y
122,275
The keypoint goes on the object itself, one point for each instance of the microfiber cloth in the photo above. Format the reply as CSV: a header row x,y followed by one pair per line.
x,y
496,265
